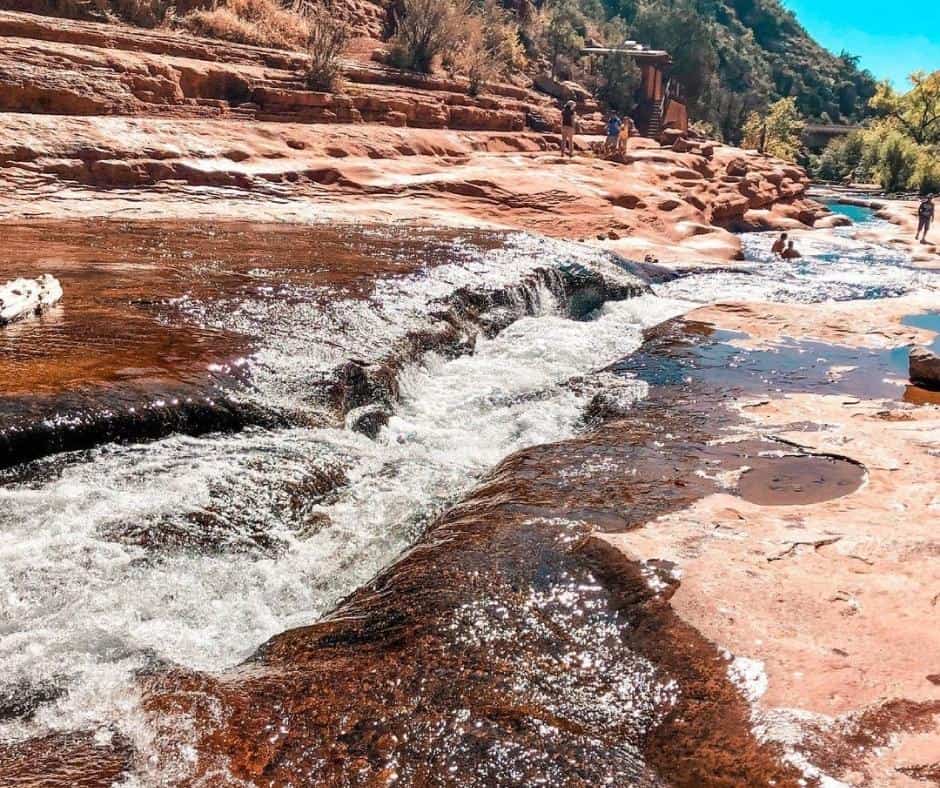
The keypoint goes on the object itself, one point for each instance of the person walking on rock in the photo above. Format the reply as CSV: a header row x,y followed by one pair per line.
x,y
924,218
569,121
629,130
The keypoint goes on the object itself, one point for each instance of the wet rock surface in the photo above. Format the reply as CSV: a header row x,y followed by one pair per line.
x,y
823,602
163,323
925,368
510,644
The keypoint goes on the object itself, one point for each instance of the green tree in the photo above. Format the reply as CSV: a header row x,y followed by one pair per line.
x,y
842,159
564,31
778,132
677,27
897,158
619,75
917,111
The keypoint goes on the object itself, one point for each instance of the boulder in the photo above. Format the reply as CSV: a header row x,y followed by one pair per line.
x,y
564,91
925,368
367,420
671,137
738,167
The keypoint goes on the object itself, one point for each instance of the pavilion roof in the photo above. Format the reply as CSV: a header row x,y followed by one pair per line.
x,y
630,49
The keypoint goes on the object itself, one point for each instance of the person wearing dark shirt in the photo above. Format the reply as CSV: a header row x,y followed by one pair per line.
x,y
924,219
614,127
569,121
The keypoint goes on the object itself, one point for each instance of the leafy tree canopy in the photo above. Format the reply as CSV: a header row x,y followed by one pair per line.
x,y
917,112
734,57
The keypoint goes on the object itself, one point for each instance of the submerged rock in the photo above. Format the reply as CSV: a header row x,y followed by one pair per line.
x,y
925,368
21,699
367,420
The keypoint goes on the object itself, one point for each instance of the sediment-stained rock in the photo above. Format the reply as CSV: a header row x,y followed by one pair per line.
x,y
511,644
830,601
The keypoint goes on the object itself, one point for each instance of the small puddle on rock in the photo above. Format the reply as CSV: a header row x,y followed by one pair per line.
x,y
799,479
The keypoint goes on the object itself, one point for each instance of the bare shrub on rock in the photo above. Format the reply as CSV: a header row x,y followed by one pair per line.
x,y
143,13
426,31
258,22
328,37
490,47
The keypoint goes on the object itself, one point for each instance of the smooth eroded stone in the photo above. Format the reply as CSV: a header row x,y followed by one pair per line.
x,y
925,368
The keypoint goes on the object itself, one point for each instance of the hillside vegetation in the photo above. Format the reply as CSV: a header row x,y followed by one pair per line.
x,y
900,148
736,56
731,57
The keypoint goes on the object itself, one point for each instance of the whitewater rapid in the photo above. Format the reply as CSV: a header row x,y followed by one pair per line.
x,y
86,607
834,267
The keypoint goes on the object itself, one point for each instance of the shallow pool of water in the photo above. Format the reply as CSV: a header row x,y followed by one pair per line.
x,y
857,213
929,321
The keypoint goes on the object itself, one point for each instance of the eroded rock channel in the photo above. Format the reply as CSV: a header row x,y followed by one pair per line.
x,y
197,328
433,604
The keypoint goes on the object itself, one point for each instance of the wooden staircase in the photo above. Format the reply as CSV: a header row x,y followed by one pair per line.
x,y
654,123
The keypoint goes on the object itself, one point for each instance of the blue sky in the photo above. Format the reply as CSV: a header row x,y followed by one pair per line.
x,y
893,37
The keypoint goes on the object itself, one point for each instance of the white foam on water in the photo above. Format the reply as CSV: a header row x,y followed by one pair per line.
x,y
79,604
834,267
309,331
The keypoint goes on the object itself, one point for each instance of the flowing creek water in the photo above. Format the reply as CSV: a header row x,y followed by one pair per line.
x,y
195,549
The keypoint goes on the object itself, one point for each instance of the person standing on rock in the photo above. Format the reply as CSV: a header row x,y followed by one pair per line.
x,y
924,218
614,127
779,245
569,121
629,130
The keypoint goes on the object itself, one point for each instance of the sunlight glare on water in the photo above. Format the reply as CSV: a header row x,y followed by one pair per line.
x,y
834,267
85,604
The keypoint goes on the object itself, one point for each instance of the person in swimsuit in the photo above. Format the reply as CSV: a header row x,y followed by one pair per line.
x,y
779,245
790,253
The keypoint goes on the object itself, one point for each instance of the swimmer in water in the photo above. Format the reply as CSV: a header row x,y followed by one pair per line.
x,y
790,253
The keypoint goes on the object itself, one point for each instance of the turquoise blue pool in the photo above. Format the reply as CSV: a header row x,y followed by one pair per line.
x,y
856,213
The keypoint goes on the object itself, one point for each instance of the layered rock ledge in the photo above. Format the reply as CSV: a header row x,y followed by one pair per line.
x,y
153,124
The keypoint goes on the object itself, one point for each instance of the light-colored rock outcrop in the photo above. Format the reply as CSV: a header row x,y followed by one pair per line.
x,y
153,122
832,605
